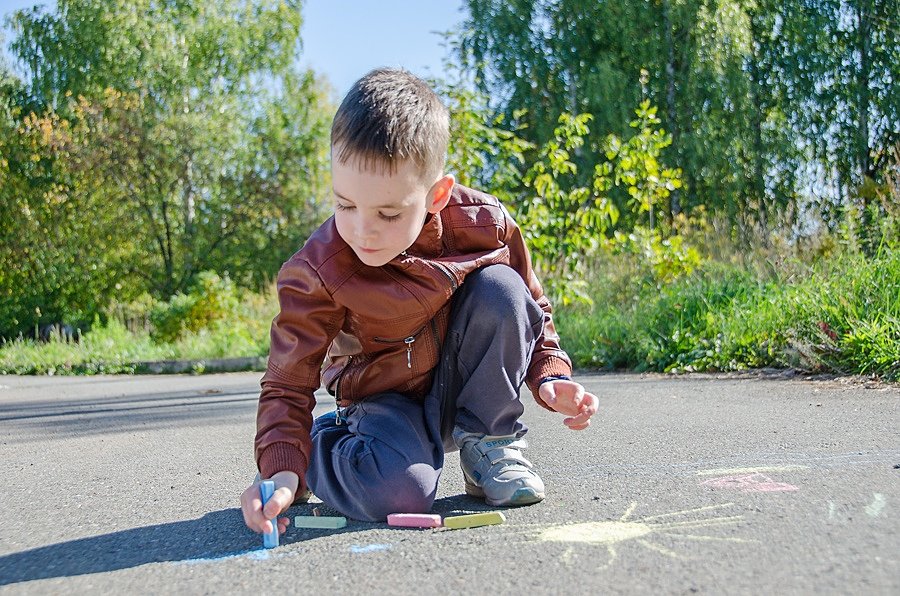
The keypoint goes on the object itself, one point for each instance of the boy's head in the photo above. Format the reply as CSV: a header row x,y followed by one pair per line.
x,y
388,147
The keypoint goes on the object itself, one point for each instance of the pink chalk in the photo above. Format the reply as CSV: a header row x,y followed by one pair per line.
x,y
414,520
751,483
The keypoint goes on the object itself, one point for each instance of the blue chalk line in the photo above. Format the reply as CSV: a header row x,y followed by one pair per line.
x,y
253,555
369,548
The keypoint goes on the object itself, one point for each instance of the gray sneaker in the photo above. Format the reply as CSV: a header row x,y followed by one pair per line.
x,y
496,471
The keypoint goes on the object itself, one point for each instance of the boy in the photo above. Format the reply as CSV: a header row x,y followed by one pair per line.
x,y
419,296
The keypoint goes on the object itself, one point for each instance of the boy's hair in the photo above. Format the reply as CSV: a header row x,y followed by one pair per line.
x,y
388,116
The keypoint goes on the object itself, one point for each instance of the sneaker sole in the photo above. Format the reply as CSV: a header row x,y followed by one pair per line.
x,y
522,496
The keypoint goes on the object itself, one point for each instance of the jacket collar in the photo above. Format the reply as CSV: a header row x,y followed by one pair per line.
x,y
428,244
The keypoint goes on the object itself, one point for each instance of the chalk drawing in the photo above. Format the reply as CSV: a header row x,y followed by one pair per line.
x,y
775,461
566,557
732,471
611,534
369,548
831,510
876,506
750,483
256,554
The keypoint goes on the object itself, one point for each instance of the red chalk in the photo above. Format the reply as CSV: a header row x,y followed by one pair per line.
x,y
414,520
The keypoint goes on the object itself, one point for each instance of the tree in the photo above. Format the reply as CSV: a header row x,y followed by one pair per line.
x,y
183,138
839,67
768,103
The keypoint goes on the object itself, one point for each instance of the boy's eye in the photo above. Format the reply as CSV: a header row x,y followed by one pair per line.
x,y
389,217
341,207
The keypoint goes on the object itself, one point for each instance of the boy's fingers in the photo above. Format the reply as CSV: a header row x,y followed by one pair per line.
x,y
251,507
581,418
576,424
280,501
283,524
579,394
590,404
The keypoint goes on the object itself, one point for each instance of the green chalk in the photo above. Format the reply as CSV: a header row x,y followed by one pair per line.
x,y
321,522
474,520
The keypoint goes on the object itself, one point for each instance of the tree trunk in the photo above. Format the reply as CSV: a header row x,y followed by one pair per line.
x,y
758,183
671,112
863,35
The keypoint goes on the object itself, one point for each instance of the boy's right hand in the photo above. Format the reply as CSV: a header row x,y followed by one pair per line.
x,y
257,518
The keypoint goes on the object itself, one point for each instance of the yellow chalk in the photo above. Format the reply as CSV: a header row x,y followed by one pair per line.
x,y
321,522
474,520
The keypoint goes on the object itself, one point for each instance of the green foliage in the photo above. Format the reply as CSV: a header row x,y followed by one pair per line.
x,y
564,223
669,258
119,345
637,166
211,299
149,142
841,315
771,105
485,151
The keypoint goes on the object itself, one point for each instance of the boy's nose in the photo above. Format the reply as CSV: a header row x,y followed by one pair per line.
x,y
365,229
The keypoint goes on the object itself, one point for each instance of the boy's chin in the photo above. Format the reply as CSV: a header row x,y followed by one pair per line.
x,y
374,259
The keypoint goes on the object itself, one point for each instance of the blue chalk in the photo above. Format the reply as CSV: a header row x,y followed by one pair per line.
x,y
266,490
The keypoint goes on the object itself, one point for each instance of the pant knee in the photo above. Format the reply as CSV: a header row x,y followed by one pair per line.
x,y
499,295
411,491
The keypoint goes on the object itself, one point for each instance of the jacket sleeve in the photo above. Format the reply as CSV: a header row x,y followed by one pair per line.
x,y
306,324
548,358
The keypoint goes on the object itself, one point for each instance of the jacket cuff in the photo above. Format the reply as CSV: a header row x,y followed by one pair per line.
x,y
552,366
281,457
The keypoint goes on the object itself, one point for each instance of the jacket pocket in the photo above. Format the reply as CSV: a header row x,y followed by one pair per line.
x,y
407,341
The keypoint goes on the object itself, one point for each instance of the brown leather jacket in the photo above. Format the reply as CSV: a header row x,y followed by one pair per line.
x,y
380,328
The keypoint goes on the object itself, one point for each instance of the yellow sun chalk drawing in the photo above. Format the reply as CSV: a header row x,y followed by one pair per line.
x,y
611,534
596,532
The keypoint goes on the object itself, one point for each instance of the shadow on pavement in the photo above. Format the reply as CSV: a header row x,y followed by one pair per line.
x,y
217,535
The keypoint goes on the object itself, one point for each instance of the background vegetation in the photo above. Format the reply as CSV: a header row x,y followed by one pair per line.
x,y
705,184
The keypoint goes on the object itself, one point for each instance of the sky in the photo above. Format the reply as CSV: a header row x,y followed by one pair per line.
x,y
344,39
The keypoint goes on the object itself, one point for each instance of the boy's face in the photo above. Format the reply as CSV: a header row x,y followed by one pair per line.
x,y
380,214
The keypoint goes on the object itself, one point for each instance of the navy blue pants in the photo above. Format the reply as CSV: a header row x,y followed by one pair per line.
x,y
387,455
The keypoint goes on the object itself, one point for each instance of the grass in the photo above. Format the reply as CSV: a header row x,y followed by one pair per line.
x,y
840,315
241,331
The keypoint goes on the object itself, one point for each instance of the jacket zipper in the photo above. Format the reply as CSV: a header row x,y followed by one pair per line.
x,y
445,269
409,341
338,420
437,342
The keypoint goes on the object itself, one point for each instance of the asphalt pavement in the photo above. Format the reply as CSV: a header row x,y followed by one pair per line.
x,y
691,484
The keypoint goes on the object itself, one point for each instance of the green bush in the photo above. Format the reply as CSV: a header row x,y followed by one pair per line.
x,y
211,299
841,315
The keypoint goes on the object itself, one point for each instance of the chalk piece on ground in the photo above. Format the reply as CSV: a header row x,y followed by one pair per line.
x,y
414,520
323,522
474,520
266,490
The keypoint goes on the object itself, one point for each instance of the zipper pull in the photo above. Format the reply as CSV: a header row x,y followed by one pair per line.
x,y
409,342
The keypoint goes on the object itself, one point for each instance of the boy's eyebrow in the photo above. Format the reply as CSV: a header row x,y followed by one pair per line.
x,y
390,206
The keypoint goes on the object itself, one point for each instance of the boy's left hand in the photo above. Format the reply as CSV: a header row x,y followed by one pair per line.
x,y
570,398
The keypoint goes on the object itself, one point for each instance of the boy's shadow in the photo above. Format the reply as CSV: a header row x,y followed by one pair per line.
x,y
216,535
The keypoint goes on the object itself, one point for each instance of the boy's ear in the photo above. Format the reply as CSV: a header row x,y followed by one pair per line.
x,y
439,194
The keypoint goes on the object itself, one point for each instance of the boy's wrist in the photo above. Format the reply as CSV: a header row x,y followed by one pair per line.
x,y
283,457
554,378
